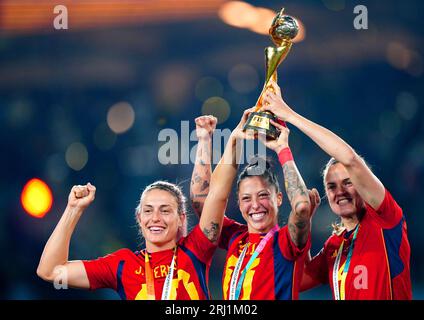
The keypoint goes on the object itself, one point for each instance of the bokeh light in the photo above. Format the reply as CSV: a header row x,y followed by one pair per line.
x,y
36,198
406,105
120,117
174,61
301,34
243,78
172,86
398,55
76,156
255,19
262,20
230,14
217,107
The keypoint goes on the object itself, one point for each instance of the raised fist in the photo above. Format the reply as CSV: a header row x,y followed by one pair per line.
x,y
205,126
81,196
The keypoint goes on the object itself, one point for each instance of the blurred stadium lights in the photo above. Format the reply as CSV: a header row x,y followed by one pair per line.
x,y
230,14
36,198
403,58
120,117
253,18
76,156
406,105
243,78
218,107
173,87
30,16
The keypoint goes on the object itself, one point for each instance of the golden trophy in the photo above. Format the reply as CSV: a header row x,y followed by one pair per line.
x,y
283,29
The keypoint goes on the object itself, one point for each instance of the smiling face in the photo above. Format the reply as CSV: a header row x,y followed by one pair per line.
x,y
259,202
159,219
342,196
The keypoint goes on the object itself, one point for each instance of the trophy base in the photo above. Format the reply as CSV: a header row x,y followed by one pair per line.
x,y
259,122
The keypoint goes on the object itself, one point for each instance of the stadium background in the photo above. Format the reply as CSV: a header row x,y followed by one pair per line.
x,y
87,104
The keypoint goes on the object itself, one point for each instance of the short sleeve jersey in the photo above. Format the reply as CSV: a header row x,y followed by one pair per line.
x,y
275,274
124,270
379,268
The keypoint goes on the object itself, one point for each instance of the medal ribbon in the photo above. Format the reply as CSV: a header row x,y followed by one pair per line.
x,y
167,286
340,293
235,286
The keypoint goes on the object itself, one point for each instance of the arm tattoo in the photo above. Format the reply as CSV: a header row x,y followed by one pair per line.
x,y
296,190
212,232
204,186
196,178
200,195
201,176
203,154
292,229
298,233
293,182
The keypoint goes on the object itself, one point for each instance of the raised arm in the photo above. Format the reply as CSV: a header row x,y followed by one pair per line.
x,y
221,183
314,273
366,183
54,261
300,216
201,176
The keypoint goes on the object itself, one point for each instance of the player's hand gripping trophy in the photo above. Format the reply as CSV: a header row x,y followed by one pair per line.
x,y
283,29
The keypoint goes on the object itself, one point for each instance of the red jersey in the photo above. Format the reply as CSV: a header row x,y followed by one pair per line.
x,y
124,270
379,268
275,274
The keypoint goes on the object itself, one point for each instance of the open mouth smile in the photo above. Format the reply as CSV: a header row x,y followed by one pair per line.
x,y
257,216
343,201
156,229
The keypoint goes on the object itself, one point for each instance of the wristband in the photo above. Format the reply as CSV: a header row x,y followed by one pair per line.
x,y
285,155
281,122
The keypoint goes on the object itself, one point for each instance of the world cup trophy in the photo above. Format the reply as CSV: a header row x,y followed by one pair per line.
x,y
283,30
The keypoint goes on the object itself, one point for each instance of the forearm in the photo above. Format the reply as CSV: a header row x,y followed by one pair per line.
x,y
220,188
366,183
201,176
329,142
226,170
56,250
297,193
